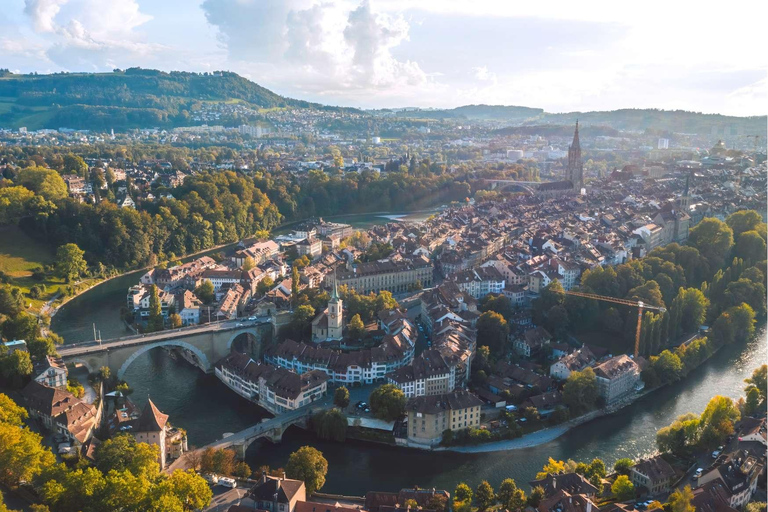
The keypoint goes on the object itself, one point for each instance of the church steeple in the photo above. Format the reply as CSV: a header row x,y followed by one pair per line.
x,y
575,170
685,199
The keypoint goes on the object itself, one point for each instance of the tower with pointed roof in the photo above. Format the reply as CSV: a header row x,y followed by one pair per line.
x,y
150,428
685,199
575,171
335,314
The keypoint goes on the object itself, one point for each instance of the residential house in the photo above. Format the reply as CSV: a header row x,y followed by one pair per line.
x,y
51,371
652,476
573,362
278,494
531,341
152,427
60,411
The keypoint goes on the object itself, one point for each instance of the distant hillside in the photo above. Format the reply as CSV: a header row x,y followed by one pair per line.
x,y
479,112
680,121
134,98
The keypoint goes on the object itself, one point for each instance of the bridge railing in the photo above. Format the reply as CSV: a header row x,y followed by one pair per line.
x,y
187,328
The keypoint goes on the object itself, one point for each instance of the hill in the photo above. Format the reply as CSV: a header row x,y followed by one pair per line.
x,y
133,98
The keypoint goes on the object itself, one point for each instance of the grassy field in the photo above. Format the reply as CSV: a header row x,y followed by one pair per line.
x,y
19,256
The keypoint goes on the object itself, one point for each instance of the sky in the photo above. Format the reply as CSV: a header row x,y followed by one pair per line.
x,y
560,55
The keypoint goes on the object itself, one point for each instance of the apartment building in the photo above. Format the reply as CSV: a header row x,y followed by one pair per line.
x,y
430,416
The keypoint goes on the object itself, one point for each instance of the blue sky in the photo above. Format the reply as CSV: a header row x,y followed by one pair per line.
x,y
559,55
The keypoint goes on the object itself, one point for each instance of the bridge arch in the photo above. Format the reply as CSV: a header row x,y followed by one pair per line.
x,y
84,362
205,364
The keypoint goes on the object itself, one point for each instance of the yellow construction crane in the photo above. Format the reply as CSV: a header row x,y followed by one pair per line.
x,y
640,305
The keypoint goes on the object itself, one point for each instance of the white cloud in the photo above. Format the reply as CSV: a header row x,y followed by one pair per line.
x,y
43,12
482,74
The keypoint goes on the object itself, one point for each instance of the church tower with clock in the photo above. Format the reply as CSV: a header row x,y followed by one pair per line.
x,y
335,315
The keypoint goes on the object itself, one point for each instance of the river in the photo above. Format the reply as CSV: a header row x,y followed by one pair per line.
x,y
206,409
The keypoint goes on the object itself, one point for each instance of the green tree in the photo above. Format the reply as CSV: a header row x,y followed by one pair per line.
x,y
498,303
758,381
330,425
713,239
463,492
16,367
70,263
341,397
484,496
680,436
242,470
188,487
537,494
492,331
680,500
309,465
123,453
506,491
45,182
623,466
623,489
580,390
735,324
750,246
752,403
10,412
691,306
743,220
388,402
264,285
518,501
22,454
717,420
205,292
667,366
155,322
74,164
356,328
295,281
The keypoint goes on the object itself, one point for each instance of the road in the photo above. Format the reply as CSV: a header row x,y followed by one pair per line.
x,y
223,498
76,349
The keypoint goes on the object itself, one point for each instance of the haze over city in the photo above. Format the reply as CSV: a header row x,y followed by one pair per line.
x,y
560,56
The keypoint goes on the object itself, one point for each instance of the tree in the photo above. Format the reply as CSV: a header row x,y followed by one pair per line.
x,y
667,366
70,263
330,425
242,470
21,327
484,496
248,264
189,488
10,412
204,292
623,466
552,467
750,247
175,320
537,494
356,328
463,493
623,489
498,303
492,331
742,221
295,285
22,454
45,182
580,390
713,239
518,501
74,164
756,506
735,324
309,465
506,491
680,436
758,381
124,453
691,306
264,285
341,397
752,403
16,366
410,504
155,322
387,402
680,500
717,420
438,503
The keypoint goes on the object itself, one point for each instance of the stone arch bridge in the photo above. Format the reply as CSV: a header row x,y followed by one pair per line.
x,y
203,344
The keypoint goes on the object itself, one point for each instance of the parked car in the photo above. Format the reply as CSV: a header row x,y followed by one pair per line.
x,y
211,478
252,318
227,482
715,454
698,473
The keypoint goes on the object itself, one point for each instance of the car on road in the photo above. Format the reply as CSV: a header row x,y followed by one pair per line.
x,y
239,324
211,478
715,454
252,318
227,482
698,473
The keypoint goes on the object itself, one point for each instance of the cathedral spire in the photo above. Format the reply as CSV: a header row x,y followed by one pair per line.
x,y
576,143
